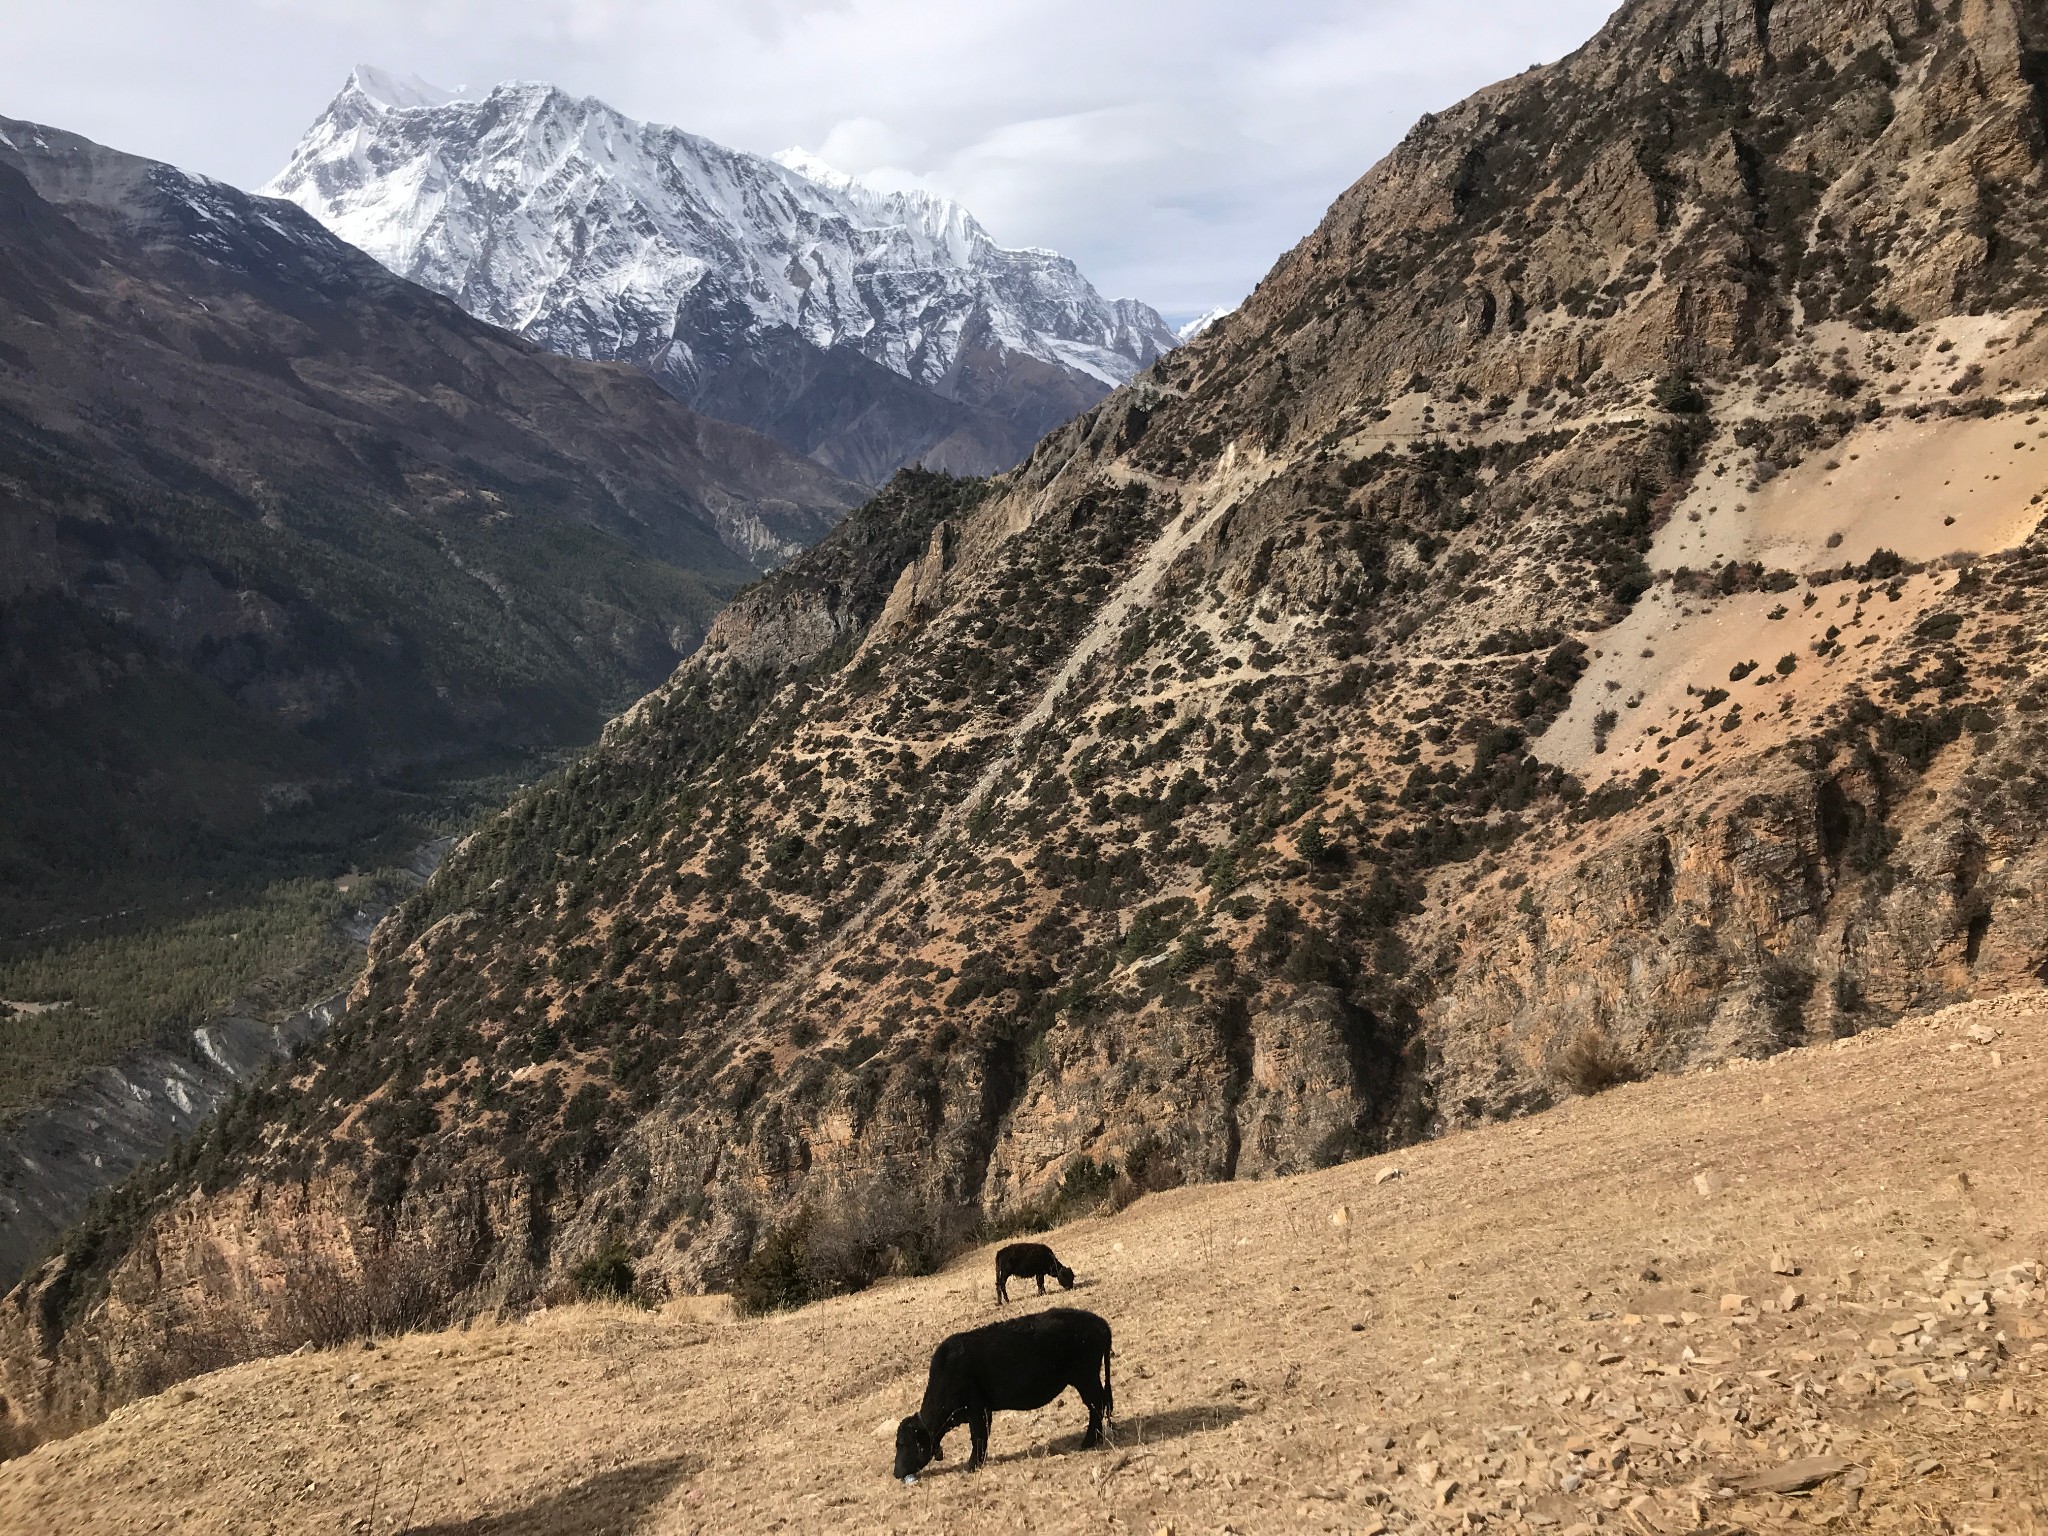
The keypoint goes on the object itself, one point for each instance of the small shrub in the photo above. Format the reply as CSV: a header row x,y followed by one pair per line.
x,y
775,1277
1313,844
607,1274
1603,727
1593,1063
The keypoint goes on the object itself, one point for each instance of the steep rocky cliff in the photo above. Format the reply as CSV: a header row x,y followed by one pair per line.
x,y
1571,622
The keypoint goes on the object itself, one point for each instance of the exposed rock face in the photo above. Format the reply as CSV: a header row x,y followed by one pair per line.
x,y
1428,691
115,1118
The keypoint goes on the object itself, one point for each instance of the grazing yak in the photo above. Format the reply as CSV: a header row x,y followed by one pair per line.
x,y
1029,1261
1015,1365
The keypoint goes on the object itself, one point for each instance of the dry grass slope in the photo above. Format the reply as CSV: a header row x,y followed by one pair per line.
x,y
1598,1317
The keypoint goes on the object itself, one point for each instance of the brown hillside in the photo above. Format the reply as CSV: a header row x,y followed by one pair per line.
x,y
1293,760
1539,1327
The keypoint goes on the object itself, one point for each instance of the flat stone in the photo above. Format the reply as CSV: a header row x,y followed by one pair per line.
x,y
1793,1477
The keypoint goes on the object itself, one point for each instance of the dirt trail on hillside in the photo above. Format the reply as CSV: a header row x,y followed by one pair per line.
x,y
1592,1319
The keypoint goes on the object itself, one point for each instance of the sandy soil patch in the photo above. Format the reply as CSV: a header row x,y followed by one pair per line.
x,y
1924,489
1656,668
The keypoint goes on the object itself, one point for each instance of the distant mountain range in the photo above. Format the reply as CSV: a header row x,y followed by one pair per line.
x,y
868,330
277,527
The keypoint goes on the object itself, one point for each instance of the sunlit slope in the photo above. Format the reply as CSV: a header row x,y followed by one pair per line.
x,y
1584,1316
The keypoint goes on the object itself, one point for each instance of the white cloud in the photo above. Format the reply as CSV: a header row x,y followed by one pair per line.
x,y
1173,147
861,146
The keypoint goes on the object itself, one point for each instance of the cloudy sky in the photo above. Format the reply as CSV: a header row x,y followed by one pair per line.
x,y
1173,147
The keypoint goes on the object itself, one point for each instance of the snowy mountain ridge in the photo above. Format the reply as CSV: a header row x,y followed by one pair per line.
x,y
601,236
1202,323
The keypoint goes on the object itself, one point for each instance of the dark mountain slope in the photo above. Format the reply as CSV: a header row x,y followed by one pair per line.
x,y
276,526
844,410
1570,623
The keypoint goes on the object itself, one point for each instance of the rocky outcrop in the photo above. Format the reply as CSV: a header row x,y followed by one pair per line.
x,y
1766,906
922,584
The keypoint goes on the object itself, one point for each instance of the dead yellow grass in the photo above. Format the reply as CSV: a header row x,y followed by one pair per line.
x,y
1577,1320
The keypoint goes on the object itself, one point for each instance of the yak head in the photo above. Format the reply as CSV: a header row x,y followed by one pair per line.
x,y
916,1449
1066,1277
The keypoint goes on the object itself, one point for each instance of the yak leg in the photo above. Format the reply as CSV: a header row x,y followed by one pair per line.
x,y
1094,1401
977,1429
1095,1393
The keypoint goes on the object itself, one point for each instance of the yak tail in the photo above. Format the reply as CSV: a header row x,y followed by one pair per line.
x,y
1108,1392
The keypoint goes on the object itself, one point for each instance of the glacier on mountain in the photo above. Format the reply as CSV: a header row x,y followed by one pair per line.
x,y
604,237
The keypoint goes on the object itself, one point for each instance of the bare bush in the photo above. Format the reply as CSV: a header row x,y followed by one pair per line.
x,y
1592,1062
330,1298
17,1438
1148,1169
846,1242
194,1340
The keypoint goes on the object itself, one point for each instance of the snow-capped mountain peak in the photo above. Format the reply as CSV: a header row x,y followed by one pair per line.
x,y
606,237
403,93
1201,323
812,168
